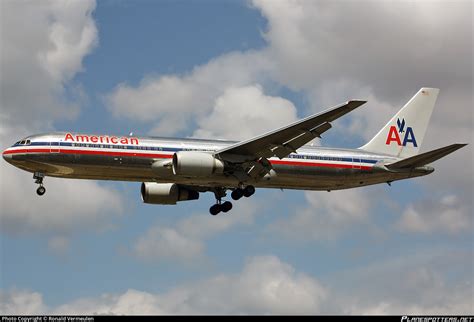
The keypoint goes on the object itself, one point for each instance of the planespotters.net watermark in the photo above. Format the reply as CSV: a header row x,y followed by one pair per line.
x,y
437,319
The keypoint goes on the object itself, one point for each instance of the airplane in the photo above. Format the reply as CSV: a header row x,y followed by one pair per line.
x,y
173,170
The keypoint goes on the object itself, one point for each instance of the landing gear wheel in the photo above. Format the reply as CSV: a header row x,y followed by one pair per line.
x,y
41,191
237,194
226,206
215,209
248,191
38,177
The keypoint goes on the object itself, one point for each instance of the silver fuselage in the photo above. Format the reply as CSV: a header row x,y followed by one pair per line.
x,y
103,157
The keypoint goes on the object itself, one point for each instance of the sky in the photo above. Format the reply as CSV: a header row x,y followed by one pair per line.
x,y
235,69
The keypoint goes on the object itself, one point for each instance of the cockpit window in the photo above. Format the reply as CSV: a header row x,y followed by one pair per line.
x,y
23,142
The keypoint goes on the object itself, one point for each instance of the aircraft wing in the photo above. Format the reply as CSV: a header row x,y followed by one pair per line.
x,y
288,139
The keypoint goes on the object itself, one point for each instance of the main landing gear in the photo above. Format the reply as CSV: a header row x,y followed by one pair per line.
x,y
227,205
245,192
218,207
39,180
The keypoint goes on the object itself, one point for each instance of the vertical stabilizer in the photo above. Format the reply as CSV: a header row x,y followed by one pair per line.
x,y
404,133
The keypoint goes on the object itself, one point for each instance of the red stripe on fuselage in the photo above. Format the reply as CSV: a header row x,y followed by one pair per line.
x,y
165,156
91,152
319,164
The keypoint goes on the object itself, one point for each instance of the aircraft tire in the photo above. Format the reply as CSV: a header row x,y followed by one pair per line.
x,y
237,194
215,209
226,206
41,191
249,191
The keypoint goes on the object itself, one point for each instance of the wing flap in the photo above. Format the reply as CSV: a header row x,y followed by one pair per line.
x,y
425,158
307,136
295,143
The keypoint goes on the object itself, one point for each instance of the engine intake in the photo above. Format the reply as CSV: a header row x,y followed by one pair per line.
x,y
196,164
166,193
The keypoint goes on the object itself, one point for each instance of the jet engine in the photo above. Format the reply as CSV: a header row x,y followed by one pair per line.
x,y
196,164
166,193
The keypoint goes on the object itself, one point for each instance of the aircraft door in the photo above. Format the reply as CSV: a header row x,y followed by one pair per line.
x,y
356,163
54,146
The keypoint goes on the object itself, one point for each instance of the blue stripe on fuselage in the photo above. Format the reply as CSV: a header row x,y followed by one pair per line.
x,y
164,149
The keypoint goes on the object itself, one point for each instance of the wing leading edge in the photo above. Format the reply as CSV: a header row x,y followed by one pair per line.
x,y
288,139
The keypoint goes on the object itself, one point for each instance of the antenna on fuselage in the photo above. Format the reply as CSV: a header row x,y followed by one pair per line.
x,y
130,134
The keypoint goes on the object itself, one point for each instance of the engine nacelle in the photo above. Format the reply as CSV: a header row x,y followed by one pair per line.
x,y
196,164
166,193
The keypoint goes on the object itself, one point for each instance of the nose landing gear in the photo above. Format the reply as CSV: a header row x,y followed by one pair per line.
x,y
41,191
39,180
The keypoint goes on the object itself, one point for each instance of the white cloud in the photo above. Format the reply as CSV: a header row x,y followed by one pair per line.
x,y
131,302
21,302
39,60
331,53
265,285
447,214
72,34
326,214
382,44
185,240
41,56
167,243
417,282
430,282
172,101
243,112
67,206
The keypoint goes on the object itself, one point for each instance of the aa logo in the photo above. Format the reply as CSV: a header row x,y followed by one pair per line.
x,y
395,133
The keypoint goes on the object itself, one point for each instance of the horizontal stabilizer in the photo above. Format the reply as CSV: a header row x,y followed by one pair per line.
x,y
425,158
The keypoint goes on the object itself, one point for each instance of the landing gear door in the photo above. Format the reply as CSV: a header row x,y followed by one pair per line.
x,y
54,146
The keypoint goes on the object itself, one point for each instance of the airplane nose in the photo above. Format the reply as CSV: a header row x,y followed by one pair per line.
x,y
7,156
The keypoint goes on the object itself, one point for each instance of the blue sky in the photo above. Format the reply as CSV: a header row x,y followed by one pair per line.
x,y
233,69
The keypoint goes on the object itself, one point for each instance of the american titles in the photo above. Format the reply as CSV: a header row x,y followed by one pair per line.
x,y
100,139
395,134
